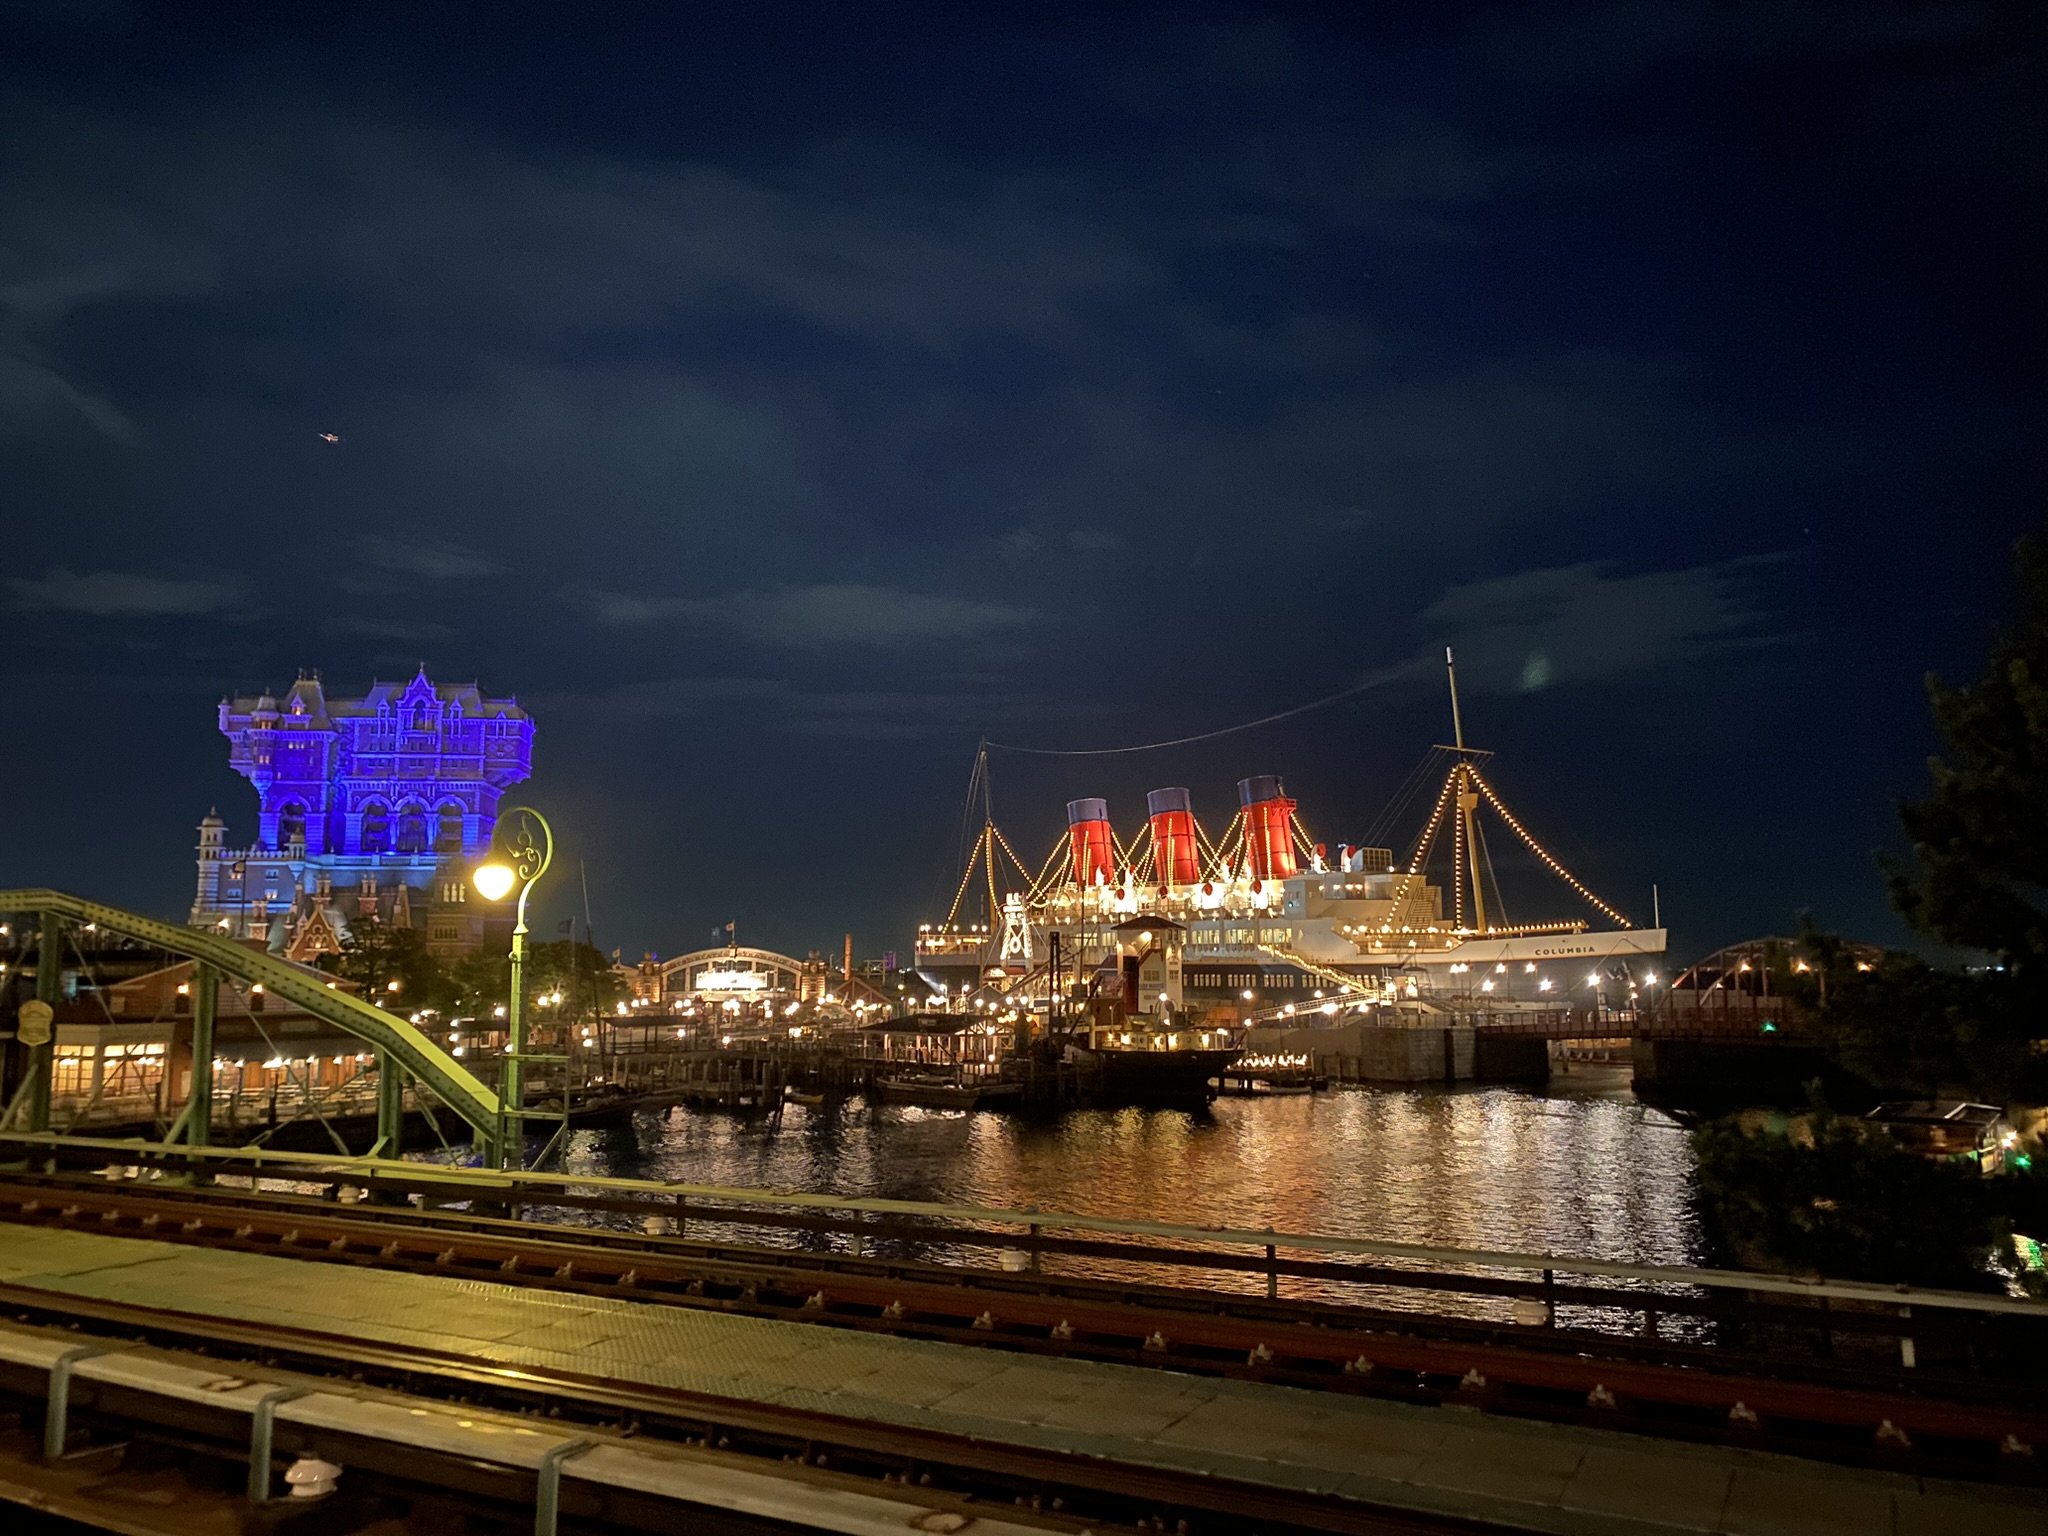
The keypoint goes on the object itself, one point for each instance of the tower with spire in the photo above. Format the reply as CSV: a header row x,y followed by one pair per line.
x,y
391,796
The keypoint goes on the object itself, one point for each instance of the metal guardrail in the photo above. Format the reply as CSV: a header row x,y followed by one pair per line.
x,y
481,1184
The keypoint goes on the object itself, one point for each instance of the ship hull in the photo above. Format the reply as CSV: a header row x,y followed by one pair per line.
x,y
1142,1077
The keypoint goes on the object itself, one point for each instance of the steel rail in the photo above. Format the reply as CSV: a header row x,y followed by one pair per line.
x,y
482,1184
1265,1343
1800,1314
967,1460
25,1193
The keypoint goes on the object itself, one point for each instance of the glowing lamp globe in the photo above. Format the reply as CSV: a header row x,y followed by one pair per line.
x,y
494,881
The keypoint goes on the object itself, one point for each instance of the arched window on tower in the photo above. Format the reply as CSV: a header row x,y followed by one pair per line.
x,y
291,825
448,839
376,828
412,827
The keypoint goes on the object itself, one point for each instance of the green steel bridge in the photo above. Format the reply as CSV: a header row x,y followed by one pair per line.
x,y
403,1051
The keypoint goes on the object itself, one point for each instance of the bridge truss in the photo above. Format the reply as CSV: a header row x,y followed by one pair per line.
x,y
403,1051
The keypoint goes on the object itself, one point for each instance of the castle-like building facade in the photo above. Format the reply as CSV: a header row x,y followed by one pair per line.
x,y
370,808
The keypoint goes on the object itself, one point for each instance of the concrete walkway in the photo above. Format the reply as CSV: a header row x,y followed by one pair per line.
x,y
1443,1461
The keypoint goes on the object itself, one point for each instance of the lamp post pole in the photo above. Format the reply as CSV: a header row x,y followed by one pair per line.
x,y
526,848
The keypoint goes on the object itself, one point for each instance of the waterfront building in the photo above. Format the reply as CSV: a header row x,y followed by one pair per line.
x,y
369,808
123,1050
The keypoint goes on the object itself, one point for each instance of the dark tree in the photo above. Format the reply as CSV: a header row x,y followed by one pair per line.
x,y
1853,1206
374,955
581,973
1979,872
1845,1200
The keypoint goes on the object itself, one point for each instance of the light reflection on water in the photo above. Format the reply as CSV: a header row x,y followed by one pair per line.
x,y
1582,1170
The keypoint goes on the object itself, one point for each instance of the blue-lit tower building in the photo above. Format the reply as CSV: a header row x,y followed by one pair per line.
x,y
367,808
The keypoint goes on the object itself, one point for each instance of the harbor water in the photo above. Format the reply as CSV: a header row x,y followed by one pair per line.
x,y
1579,1169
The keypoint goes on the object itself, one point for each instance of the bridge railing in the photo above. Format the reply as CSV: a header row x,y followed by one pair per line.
x,y
1661,1309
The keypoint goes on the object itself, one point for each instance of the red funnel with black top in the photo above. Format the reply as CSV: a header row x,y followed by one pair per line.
x,y
1268,827
1174,851
1094,849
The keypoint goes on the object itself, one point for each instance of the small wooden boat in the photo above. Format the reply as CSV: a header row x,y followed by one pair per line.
x,y
808,1100
944,1093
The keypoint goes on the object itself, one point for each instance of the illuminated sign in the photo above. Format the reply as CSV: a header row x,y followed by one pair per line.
x,y
731,981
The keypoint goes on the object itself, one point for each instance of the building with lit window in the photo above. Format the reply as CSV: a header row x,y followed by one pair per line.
x,y
368,808
122,1056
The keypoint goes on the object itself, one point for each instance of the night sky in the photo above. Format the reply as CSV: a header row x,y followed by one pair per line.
x,y
776,400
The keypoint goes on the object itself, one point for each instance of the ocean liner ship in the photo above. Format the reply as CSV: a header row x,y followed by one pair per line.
x,y
1178,939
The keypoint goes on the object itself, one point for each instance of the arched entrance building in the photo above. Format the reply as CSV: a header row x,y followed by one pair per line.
x,y
730,979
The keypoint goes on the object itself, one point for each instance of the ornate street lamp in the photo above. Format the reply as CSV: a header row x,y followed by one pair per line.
x,y
525,848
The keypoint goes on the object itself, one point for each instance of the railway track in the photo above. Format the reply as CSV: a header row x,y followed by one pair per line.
x,y
1945,1421
940,1482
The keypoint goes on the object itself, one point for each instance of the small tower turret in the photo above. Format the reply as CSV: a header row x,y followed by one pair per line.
x,y
213,836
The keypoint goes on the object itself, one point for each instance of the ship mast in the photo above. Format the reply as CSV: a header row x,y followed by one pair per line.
x,y
1468,797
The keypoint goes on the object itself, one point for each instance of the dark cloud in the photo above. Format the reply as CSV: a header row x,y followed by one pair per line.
x,y
777,705
827,615
117,594
1590,623
434,561
410,631
1080,379
31,393
88,16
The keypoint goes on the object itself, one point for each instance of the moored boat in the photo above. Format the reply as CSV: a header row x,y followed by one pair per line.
x,y
1145,1074
1265,1075
946,1093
